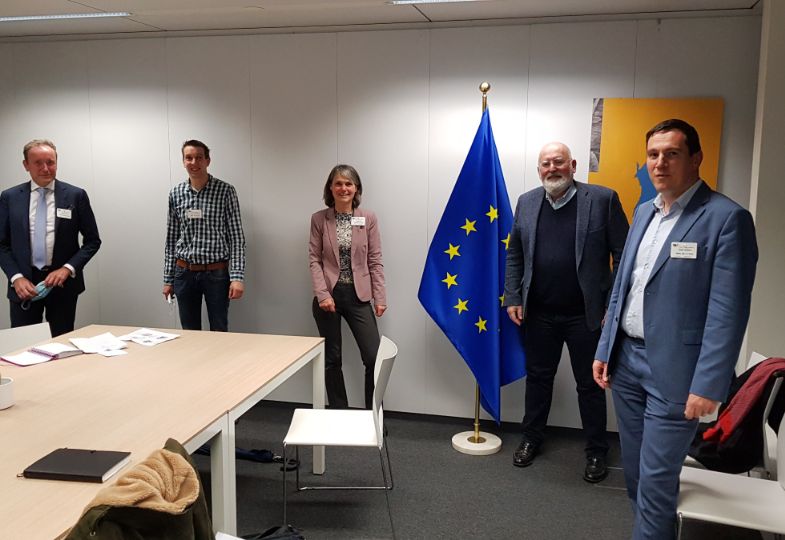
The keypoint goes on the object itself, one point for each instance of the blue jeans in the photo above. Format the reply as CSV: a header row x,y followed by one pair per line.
x,y
190,287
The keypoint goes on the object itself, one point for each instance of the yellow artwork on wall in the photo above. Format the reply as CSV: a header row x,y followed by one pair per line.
x,y
618,142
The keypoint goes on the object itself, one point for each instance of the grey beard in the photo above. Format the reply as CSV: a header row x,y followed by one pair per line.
x,y
553,187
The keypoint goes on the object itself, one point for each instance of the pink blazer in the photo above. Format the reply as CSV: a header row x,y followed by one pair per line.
x,y
367,266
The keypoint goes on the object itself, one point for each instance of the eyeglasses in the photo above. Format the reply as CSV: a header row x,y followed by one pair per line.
x,y
558,162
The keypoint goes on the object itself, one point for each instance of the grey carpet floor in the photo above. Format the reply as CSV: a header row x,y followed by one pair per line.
x,y
439,493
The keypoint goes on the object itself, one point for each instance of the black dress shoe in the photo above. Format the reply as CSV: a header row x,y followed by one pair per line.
x,y
524,455
596,469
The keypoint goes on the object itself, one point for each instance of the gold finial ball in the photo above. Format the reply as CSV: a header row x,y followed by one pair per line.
x,y
484,87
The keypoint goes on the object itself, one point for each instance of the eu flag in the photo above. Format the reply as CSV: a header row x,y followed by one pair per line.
x,y
462,284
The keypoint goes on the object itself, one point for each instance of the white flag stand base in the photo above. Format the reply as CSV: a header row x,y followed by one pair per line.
x,y
490,443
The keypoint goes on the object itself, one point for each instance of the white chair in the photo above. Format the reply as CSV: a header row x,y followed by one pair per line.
x,y
339,427
21,337
769,437
734,499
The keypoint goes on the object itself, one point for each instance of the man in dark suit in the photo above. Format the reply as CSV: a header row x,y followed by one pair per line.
x,y
676,320
557,280
40,224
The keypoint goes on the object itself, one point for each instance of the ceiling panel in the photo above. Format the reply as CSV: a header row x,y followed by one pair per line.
x,y
502,9
235,15
276,17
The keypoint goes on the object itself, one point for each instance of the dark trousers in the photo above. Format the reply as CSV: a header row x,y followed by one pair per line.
x,y
544,337
59,305
212,285
362,322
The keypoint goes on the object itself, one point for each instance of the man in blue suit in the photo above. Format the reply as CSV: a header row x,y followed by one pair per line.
x,y
557,279
40,224
676,319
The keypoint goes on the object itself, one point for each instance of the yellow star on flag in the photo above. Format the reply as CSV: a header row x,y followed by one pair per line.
x,y
480,324
452,251
501,300
493,213
469,226
450,280
461,306
506,242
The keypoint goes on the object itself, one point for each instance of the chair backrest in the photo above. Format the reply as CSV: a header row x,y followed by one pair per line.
x,y
755,359
769,437
13,339
385,357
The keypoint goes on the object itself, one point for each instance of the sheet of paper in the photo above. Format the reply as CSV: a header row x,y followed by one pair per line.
x,y
148,337
26,358
105,344
109,353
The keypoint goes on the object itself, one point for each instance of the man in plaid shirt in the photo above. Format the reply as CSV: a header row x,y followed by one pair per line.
x,y
205,245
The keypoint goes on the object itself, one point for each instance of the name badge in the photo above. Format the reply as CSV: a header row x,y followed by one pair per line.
x,y
684,250
64,213
193,213
358,221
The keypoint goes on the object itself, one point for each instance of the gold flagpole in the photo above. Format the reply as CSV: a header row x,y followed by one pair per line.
x,y
475,442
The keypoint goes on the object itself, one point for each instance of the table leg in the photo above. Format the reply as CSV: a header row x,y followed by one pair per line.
x,y
318,403
223,480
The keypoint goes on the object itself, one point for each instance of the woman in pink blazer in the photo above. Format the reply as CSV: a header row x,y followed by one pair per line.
x,y
345,254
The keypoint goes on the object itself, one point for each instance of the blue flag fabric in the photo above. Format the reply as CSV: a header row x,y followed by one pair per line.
x,y
462,284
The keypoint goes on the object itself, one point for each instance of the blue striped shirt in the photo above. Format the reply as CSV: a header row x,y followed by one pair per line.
x,y
215,236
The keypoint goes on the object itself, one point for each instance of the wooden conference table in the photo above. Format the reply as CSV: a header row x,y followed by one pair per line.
x,y
192,389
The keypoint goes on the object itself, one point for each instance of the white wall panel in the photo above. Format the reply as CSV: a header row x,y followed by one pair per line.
x,y
129,137
696,58
460,59
51,101
11,170
208,96
383,132
294,132
571,65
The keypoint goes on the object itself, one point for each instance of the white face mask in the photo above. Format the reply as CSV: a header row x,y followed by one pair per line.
x,y
41,290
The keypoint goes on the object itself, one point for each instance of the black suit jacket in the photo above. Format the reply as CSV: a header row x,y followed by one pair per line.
x,y
15,249
601,229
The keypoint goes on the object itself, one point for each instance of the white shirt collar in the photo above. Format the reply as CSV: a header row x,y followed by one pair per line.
x,y
680,203
50,186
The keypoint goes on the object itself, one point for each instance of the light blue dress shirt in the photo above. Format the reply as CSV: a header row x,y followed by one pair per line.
x,y
651,244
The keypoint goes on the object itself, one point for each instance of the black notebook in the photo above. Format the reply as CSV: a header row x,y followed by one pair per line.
x,y
78,465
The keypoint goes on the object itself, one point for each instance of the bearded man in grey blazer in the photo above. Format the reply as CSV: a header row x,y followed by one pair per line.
x,y
556,287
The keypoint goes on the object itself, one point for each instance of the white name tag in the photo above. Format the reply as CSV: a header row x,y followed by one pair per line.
x,y
193,213
358,221
64,213
684,250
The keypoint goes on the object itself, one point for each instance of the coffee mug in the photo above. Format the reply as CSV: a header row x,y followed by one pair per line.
x,y
6,392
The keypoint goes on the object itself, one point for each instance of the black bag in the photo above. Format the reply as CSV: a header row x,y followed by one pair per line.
x,y
285,532
743,450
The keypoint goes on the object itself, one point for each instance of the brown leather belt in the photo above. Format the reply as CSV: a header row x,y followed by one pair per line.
x,y
202,267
